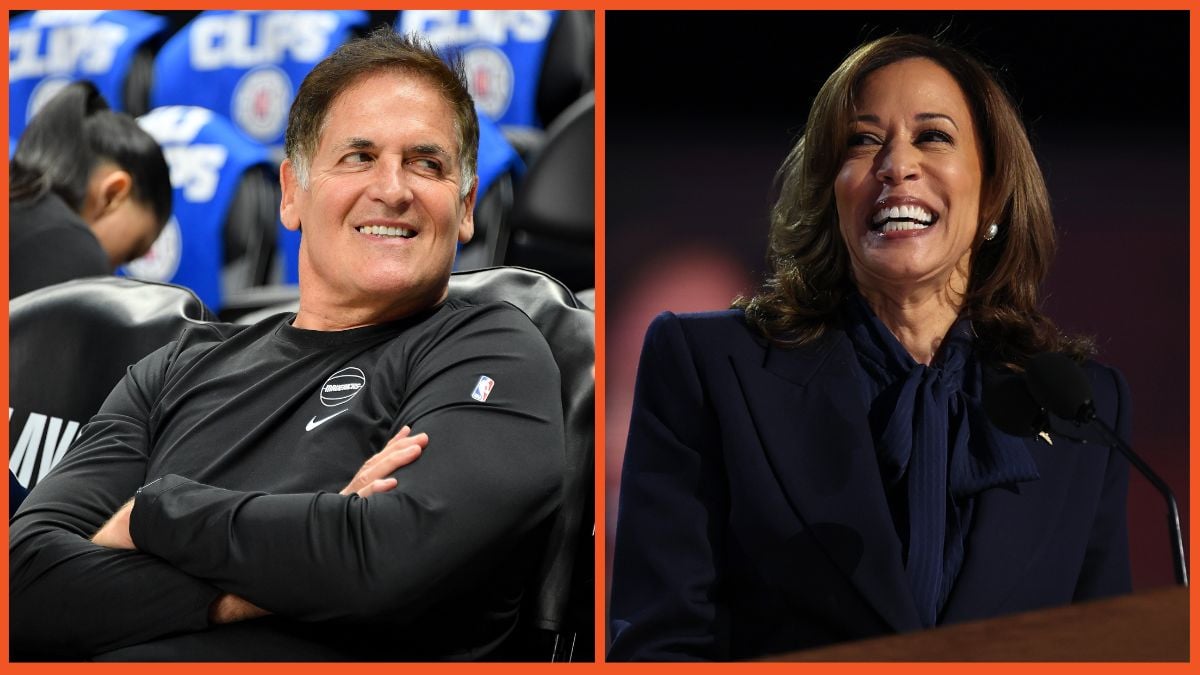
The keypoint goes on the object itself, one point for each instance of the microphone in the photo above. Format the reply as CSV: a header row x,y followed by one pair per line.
x,y
1010,406
1056,384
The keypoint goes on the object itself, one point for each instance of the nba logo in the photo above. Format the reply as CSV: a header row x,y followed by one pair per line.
x,y
483,388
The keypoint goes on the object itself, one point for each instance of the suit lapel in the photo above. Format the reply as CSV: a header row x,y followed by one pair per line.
x,y
811,423
1008,525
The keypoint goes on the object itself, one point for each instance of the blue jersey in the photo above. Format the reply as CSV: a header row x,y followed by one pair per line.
x,y
207,157
502,51
247,65
49,49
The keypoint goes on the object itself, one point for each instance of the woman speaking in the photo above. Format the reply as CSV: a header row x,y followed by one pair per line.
x,y
816,465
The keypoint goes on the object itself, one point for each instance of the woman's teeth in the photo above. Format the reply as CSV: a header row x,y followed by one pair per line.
x,y
903,217
898,226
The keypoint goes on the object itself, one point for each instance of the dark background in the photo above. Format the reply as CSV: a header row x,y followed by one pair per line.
x,y
702,107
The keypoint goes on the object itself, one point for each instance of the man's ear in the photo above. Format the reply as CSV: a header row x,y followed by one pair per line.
x,y
289,184
466,228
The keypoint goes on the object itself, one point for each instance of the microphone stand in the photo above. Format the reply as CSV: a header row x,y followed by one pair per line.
x,y
1111,437
1057,391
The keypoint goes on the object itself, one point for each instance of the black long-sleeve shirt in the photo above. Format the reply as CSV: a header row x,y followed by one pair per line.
x,y
245,435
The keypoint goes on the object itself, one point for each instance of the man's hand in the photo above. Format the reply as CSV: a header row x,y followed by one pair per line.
x,y
399,451
373,477
229,608
115,533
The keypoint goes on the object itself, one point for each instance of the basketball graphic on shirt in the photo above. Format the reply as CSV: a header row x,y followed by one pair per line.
x,y
342,386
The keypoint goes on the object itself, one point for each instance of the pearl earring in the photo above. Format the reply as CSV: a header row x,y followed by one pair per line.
x,y
991,231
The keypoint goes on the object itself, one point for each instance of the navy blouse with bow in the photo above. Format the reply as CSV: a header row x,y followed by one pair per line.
x,y
936,448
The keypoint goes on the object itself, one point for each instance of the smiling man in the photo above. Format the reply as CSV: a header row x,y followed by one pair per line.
x,y
383,187
251,516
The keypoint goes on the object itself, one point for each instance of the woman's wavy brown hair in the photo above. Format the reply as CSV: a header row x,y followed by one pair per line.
x,y
809,265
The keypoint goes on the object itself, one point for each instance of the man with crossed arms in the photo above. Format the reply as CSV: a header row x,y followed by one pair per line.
x,y
225,502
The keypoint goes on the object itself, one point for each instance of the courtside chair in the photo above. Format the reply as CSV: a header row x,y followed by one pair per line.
x,y
69,345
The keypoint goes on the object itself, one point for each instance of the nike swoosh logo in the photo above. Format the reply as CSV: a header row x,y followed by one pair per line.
x,y
314,422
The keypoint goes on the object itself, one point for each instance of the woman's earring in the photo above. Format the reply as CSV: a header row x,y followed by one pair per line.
x,y
990,233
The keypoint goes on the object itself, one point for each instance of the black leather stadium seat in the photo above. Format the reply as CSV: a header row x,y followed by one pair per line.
x,y
552,224
69,345
561,613
250,232
567,73
491,224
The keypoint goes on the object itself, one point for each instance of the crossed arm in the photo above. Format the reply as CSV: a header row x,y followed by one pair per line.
x,y
374,477
124,596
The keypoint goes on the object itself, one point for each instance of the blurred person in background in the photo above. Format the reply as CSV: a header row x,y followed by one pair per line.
x,y
89,190
814,465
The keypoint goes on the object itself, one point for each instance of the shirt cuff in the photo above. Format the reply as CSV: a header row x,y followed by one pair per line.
x,y
145,512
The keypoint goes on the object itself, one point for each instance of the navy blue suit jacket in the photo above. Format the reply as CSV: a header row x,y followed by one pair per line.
x,y
753,519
